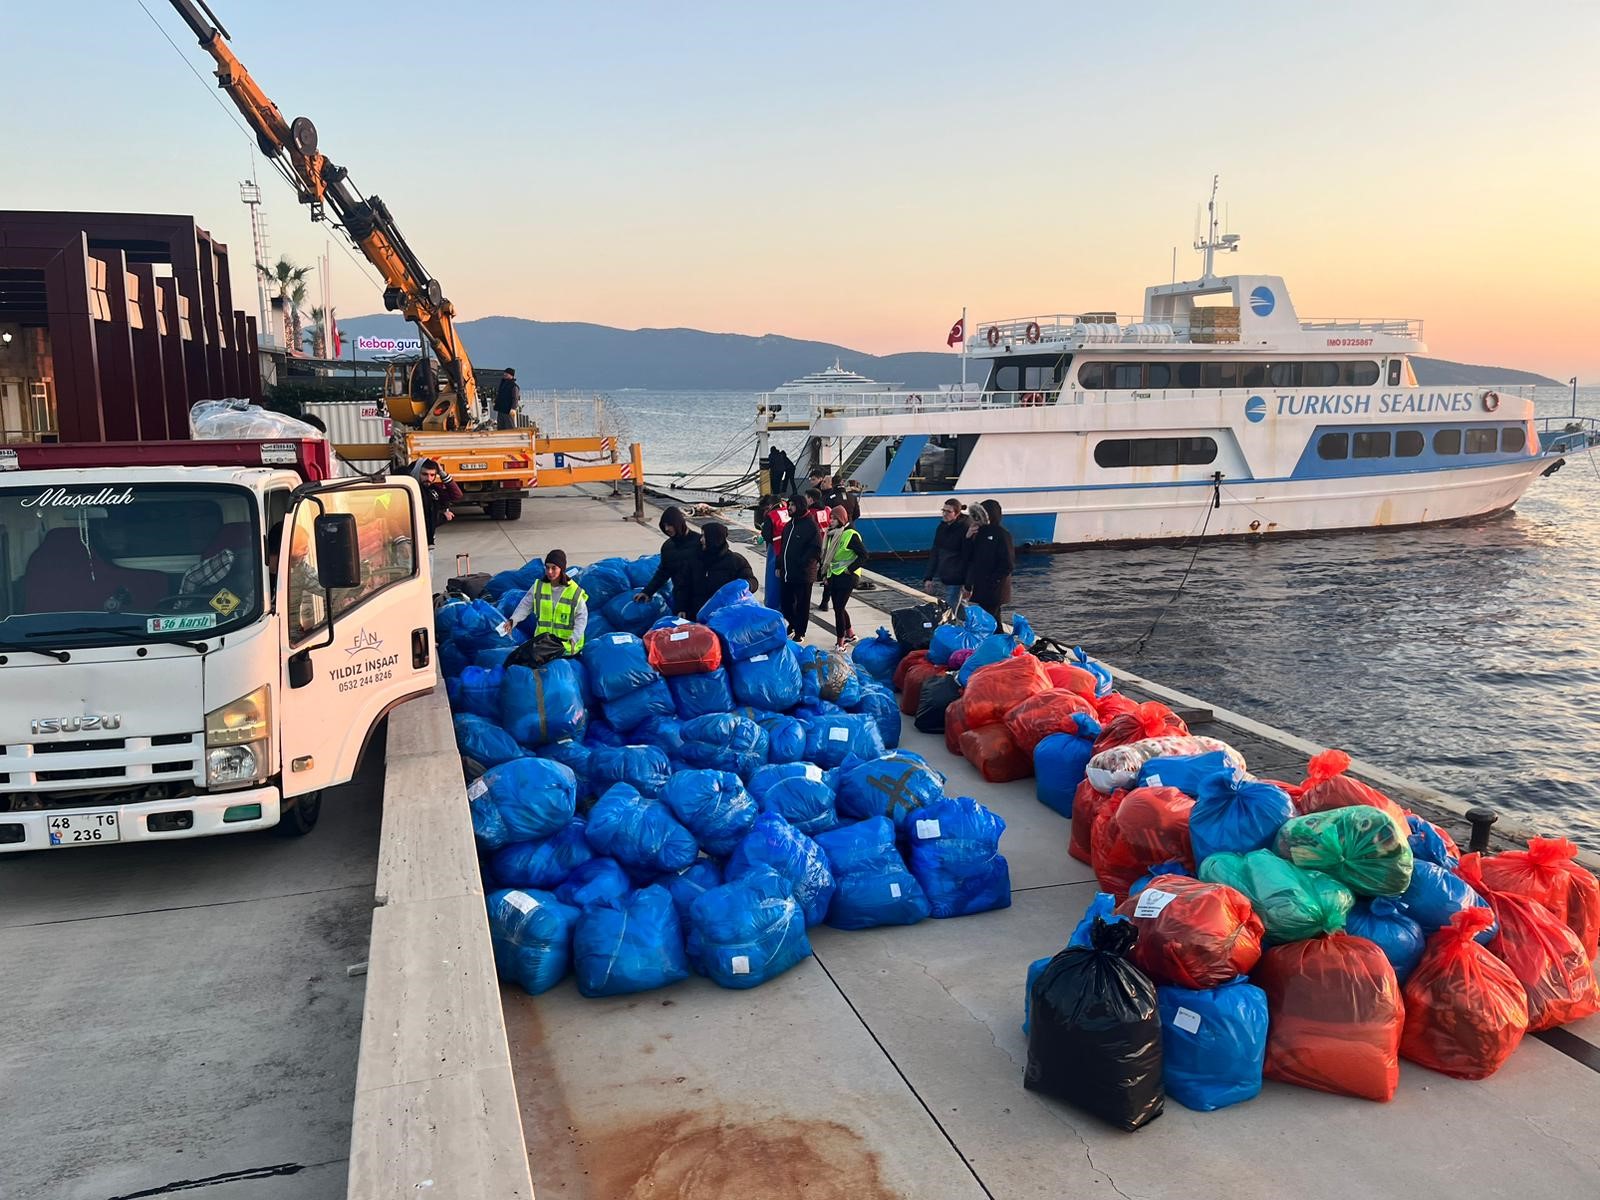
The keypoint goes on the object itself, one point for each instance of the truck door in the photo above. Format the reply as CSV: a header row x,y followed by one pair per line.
x,y
336,687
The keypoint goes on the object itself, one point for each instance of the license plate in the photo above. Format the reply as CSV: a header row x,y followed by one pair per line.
x,y
473,467
84,829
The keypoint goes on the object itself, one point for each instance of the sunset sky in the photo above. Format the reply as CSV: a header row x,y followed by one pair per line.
x,y
858,173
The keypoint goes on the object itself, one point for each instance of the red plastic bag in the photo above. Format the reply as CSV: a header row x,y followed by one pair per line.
x,y
1546,872
1327,786
1150,825
1037,717
1074,678
994,690
905,664
1148,720
1114,704
911,692
1544,955
955,724
1116,866
1334,1016
1086,806
1465,1009
683,650
1192,934
996,754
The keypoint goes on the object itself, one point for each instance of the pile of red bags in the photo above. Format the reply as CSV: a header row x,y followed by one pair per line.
x,y
1087,804
955,724
1327,786
904,666
1071,677
1466,1010
995,753
1547,871
1044,713
1114,704
911,690
1149,825
1192,934
996,689
1148,720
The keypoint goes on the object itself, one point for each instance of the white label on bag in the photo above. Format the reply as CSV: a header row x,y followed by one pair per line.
x,y
927,624
759,658
620,639
739,964
813,772
678,637
1187,1020
894,890
837,734
1152,901
521,901
928,829
1152,781
477,788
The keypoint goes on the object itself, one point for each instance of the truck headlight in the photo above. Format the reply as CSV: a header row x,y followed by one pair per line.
x,y
239,741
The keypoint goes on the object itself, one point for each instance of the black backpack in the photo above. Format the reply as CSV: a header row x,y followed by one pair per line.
x,y
914,626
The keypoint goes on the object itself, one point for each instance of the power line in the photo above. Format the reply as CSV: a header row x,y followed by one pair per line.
x,y
210,91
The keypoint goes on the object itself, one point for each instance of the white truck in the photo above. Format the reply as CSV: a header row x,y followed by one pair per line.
x,y
198,643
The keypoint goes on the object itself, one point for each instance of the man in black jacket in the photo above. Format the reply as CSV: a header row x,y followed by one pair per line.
x,y
798,565
715,566
680,557
439,492
993,559
507,400
947,561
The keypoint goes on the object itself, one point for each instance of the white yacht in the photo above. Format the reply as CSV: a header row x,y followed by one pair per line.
x,y
835,379
1216,412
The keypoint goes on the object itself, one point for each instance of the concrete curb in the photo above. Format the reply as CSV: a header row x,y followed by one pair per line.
x,y
436,1106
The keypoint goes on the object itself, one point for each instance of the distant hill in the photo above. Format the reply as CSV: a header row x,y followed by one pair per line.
x,y
561,355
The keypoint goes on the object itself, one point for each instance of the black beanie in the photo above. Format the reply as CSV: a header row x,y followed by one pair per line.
x,y
559,557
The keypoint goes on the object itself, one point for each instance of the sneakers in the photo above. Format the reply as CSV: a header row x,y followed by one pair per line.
x,y
845,642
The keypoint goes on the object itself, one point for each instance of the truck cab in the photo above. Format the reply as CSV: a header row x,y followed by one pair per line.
x,y
197,647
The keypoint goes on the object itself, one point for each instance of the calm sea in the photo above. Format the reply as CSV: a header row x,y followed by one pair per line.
x,y
1466,657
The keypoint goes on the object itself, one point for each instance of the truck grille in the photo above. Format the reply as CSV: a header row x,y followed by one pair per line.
x,y
100,762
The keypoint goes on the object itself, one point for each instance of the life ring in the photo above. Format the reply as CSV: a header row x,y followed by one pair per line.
x,y
993,335
1032,399
1033,331
1491,401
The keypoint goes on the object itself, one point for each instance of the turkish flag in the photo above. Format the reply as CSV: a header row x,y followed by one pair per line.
x,y
338,342
957,332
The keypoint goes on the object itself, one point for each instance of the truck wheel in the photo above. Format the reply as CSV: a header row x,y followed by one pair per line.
x,y
300,818
495,510
513,509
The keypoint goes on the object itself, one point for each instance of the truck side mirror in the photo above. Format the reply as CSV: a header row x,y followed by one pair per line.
x,y
338,551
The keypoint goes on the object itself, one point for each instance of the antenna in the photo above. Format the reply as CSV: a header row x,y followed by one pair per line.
x,y
1213,242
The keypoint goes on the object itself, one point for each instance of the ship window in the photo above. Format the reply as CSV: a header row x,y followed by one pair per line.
x,y
1221,374
1039,379
1482,441
1359,374
1253,375
1008,378
1333,446
1158,375
1513,438
1284,374
1155,452
1408,443
1394,372
1189,374
1372,443
1319,374
1125,376
1092,376
1447,441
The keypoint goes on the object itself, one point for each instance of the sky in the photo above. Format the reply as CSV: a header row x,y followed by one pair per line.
x,y
859,173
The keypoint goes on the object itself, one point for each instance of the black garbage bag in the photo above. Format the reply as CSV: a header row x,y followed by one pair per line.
x,y
537,651
913,627
1094,1037
938,694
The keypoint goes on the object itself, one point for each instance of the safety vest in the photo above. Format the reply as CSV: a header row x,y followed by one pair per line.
x,y
555,611
843,554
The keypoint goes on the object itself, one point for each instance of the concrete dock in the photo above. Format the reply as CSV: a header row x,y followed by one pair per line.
x,y
891,1063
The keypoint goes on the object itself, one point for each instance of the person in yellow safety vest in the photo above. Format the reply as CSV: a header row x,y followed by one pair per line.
x,y
557,604
843,556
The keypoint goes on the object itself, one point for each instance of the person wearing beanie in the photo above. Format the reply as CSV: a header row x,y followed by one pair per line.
x,y
798,564
843,554
993,559
679,556
558,605
716,565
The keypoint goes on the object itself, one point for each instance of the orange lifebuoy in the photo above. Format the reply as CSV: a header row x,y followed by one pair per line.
x,y
1491,401
993,335
1033,331
1032,399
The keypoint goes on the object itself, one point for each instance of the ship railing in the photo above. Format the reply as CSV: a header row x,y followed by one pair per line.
x,y
1566,435
1049,330
1404,327
822,405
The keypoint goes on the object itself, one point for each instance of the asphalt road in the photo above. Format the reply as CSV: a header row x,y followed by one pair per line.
x,y
177,1020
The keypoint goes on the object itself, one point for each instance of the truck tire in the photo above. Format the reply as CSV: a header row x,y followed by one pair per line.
x,y
513,509
300,818
495,510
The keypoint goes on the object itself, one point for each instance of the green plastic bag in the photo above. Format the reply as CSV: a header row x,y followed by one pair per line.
x,y
1361,846
1292,902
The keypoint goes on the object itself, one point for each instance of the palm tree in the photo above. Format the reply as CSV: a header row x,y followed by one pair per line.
x,y
290,284
320,328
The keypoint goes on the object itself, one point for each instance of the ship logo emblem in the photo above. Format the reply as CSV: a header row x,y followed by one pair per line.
x,y
1262,302
1255,410
364,641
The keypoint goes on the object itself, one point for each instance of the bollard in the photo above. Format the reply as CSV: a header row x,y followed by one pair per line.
x,y
636,462
1481,818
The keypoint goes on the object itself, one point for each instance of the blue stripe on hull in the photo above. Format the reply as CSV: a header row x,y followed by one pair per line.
x,y
914,535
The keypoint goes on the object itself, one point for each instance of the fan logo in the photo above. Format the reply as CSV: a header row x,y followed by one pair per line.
x,y
1262,302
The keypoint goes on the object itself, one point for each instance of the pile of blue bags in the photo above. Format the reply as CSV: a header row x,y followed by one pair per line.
x,y
634,829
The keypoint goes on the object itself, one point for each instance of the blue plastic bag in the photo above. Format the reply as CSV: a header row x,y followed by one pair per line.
x,y
1103,906
805,803
484,742
1435,895
1171,867
997,647
947,639
453,661
1428,846
598,881
770,679
642,570
701,695
786,738
534,797
891,785
633,946
1234,814
638,706
689,884
764,778
724,742
747,629
736,591
617,665
531,933
543,704
1103,682
955,856
1059,761
576,757
832,739
638,832
515,583
545,863
1183,771
749,930
490,659
475,627
871,883
880,704
1213,1043
445,619
811,660
478,692
878,656
628,615
603,581
600,733
773,842
713,806
666,732
643,768
1383,920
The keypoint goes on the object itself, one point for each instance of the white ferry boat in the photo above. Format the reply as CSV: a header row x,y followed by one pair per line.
x,y
835,379
1217,412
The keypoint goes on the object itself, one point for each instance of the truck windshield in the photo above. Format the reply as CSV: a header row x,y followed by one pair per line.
x,y
101,565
